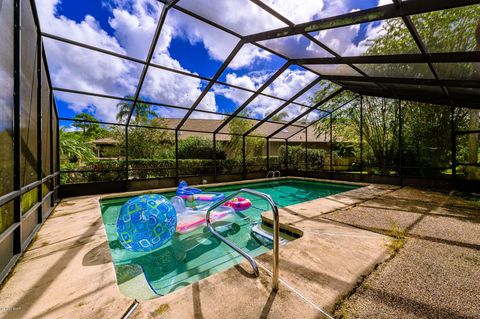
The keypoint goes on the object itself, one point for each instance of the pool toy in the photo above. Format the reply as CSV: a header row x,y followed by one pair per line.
x,y
190,222
183,189
209,197
239,203
196,194
189,219
146,223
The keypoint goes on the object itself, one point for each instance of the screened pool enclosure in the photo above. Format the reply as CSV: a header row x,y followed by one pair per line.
x,y
136,96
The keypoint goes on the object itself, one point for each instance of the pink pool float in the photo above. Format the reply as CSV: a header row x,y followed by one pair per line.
x,y
189,219
204,197
239,203
189,222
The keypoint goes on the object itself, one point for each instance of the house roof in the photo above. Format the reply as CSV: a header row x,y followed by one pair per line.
x,y
105,141
264,130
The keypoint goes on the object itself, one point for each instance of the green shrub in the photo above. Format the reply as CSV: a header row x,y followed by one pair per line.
x,y
194,147
296,157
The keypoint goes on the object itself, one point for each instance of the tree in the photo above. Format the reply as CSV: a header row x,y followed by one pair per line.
x,y
253,145
380,132
426,127
280,116
148,143
89,125
143,111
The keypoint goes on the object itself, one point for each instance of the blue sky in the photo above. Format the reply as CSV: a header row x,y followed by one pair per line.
x,y
186,44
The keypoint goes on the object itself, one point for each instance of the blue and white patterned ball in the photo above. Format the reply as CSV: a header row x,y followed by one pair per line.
x,y
146,223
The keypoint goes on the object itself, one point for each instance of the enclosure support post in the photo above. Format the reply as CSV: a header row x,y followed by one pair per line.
x,y
400,141
244,164
286,154
331,146
453,138
57,155
17,234
126,152
176,157
214,157
306,151
39,127
52,154
361,134
268,154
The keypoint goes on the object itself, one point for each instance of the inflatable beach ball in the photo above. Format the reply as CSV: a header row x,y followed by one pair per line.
x,y
146,223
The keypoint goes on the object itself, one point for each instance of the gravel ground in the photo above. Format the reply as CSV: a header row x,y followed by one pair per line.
x,y
417,194
377,218
424,280
451,230
436,274
408,205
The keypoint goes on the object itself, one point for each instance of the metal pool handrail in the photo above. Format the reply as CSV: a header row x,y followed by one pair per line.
x,y
238,249
273,174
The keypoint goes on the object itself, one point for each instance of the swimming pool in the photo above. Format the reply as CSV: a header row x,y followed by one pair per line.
x,y
190,257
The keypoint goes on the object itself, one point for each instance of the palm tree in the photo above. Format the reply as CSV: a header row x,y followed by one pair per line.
x,y
142,111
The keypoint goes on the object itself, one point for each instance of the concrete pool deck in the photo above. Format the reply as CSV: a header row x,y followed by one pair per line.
x,y
67,271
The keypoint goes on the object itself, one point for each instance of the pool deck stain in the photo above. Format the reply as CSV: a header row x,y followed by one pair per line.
x,y
67,271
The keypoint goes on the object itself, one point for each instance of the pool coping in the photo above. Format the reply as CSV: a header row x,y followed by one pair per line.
x,y
220,184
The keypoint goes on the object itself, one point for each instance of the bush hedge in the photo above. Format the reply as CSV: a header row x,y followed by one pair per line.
x,y
157,168
296,157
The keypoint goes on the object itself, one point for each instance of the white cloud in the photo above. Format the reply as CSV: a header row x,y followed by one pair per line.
x,y
134,23
135,32
87,31
71,128
289,83
343,40
297,12
240,16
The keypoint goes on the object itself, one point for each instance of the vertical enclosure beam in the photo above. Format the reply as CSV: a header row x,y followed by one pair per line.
x,y
244,164
52,154
176,158
453,137
39,125
268,154
331,146
286,154
400,140
214,157
57,168
17,234
361,134
126,153
306,151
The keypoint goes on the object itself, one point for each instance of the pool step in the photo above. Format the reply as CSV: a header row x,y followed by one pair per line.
x,y
260,233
